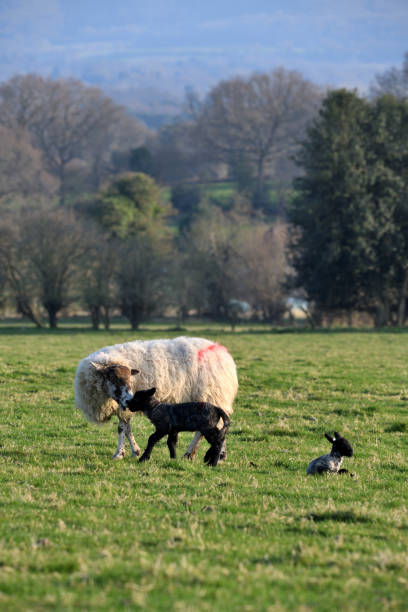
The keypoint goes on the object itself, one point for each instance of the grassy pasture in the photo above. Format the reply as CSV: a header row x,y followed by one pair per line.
x,y
81,532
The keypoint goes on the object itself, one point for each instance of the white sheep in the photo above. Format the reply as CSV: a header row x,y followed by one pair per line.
x,y
182,370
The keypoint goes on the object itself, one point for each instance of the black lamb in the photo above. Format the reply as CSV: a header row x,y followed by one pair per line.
x,y
332,461
170,419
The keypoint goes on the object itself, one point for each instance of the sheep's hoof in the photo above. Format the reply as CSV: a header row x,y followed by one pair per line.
x,y
189,456
223,456
136,453
119,454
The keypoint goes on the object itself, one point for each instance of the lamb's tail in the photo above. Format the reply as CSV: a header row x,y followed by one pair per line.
x,y
224,416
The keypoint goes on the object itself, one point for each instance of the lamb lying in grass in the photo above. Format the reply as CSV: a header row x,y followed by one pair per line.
x,y
170,419
332,462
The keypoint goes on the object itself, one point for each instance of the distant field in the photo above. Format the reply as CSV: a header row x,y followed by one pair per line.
x,y
79,531
222,194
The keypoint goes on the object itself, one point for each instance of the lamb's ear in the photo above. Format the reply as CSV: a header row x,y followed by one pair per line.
x,y
337,436
133,372
330,439
150,392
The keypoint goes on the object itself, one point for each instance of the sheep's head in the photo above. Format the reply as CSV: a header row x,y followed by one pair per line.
x,y
341,446
117,381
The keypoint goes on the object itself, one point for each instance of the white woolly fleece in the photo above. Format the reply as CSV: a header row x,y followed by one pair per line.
x,y
182,370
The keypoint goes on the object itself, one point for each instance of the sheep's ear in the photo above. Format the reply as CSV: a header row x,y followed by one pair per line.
x,y
99,367
133,371
337,436
330,439
150,392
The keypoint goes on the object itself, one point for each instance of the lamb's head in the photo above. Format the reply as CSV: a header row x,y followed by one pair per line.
x,y
341,446
141,401
116,381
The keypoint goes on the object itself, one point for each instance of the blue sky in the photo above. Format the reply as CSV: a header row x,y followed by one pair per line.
x,y
332,42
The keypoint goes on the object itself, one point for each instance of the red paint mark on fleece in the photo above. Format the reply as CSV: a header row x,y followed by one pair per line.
x,y
211,347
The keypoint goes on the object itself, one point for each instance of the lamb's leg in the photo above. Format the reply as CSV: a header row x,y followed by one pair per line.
x,y
212,456
154,438
193,446
120,451
172,443
134,447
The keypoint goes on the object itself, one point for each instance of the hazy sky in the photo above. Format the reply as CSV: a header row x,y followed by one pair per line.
x,y
335,42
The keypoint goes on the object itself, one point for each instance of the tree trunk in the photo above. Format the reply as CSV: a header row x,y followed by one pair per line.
x,y
382,314
26,310
106,317
132,313
62,187
52,317
402,301
95,316
259,183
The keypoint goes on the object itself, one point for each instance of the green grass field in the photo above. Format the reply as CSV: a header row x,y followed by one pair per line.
x,y
79,531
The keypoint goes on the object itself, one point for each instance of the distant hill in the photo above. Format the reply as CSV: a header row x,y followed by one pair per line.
x,y
146,54
153,89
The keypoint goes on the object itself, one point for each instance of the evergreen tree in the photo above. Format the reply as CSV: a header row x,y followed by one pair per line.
x,y
351,210
332,206
389,140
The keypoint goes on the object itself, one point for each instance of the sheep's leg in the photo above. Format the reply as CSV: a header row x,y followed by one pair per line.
x,y
120,451
154,438
133,446
193,446
223,454
172,443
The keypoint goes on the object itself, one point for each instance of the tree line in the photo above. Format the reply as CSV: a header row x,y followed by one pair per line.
x,y
99,212
121,254
61,139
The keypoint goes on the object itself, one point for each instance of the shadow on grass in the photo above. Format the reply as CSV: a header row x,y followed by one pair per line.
x,y
14,454
396,427
396,468
282,433
292,467
346,516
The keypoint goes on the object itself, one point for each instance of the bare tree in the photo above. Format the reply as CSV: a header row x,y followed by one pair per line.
x,y
393,82
178,156
22,171
119,136
211,255
260,117
263,269
234,259
17,271
142,279
56,244
20,101
98,281
40,253
66,119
